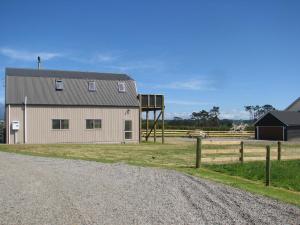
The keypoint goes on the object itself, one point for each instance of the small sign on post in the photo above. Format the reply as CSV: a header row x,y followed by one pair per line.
x,y
242,152
198,152
268,166
279,151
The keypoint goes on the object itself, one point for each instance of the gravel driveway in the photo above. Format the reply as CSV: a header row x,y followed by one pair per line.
x,y
36,190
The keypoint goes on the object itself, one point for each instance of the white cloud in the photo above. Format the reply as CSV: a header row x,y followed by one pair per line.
x,y
183,102
193,84
104,58
27,55
183,115
94,58
234,114
138,65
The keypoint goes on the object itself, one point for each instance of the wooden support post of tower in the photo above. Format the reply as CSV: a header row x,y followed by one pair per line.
x,y
163,120
154,120
140,117
147,124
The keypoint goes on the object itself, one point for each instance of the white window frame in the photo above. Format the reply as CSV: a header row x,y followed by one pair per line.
x,y
92,82
128,131
94,128
60,121
59,85
121,87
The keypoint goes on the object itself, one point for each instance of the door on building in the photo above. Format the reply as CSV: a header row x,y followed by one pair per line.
x,y
270,133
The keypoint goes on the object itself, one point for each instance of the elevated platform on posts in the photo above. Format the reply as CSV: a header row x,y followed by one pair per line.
x,y
152,103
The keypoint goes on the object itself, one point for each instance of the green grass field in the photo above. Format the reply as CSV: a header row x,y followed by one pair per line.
x,y
181,157
285,174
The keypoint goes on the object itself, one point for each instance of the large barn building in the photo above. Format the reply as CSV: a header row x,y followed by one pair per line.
x,y
280,125
50,106
295,106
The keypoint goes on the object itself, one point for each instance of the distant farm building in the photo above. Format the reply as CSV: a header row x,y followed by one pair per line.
x,y
51,106
280,125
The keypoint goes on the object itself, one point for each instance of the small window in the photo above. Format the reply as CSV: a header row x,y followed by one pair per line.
x,y
55,124
93,123
97,123
60,124
59,85
121,86
128,130
64,124
92,85
89,124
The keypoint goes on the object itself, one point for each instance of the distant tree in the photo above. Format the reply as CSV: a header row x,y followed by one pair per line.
x,y
249,108
204,116
268,108
2,109
258,111
196,116
214,116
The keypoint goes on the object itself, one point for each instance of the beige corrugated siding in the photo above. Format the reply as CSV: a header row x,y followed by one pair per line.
x,y
39,120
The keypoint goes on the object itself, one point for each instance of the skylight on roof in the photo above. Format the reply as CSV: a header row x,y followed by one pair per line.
x,y
92,86
121,86
59,85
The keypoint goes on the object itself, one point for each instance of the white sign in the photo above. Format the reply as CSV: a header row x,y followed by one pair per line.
x,y
15,125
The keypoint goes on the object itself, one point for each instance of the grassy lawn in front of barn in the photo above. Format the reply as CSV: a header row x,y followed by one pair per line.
x,y
285,174
181,157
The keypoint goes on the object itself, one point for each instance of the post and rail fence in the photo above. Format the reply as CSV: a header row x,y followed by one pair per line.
x,y
241,158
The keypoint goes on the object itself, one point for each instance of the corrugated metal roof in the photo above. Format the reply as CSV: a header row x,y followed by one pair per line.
x,y
65,74
295,106
39,87
289,118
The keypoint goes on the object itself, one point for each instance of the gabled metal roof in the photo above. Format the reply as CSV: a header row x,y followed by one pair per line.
x,y
39,87
295,106
289,118
65,74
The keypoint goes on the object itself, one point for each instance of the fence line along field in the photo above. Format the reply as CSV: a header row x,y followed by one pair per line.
x,y
252,152
209,134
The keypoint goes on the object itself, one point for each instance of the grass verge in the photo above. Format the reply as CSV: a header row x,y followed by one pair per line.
x,y
284,174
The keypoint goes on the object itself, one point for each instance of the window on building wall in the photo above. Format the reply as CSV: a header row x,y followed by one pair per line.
x,y
59,85
92,86
93,123
121,86
55,124
128,130
59,124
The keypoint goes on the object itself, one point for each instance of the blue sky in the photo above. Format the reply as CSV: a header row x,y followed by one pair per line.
x,y
197,53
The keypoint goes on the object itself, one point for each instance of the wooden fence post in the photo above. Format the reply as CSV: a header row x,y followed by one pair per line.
x,y
198,152
279,151
268,166
242,152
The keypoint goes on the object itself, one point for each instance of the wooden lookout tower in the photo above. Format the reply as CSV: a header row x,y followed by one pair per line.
x,y
152,103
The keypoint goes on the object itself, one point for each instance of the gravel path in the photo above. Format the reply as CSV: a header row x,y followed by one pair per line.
x,y
36,190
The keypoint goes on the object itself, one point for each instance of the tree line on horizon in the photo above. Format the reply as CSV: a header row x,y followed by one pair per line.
x,y
257,111
209,119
